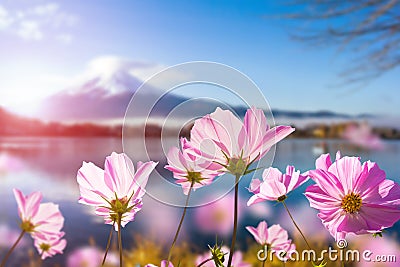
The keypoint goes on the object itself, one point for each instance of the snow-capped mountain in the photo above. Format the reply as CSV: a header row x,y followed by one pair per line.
x,y
105,89
103,92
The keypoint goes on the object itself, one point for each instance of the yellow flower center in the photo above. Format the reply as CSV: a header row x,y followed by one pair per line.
x,y
352,203
194,177
27,226
44,247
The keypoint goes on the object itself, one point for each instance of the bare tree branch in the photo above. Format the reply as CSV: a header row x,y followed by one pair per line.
x,y
369,28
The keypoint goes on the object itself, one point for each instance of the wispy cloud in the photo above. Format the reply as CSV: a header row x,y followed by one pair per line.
x,y
38,22
5,19
65,38
29,30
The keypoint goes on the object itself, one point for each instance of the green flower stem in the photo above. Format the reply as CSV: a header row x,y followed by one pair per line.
x,y
108,243
180,223
120,239
3,262
295,224
235,220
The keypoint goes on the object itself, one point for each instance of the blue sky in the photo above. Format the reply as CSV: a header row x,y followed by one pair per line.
x,y
46,43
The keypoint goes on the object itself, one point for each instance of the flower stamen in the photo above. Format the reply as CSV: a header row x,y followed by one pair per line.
x,y
351,203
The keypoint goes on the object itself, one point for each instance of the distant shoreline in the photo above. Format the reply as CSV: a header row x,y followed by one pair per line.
x,y
13,125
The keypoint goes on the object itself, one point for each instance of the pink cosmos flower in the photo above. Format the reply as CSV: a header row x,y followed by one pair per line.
x,y
117,189
8,235
352,197
275,185
275,237
381,250
9,164
237,259
362,136
38,218
221,137
85,256
216,217
189,168
163,264
50,245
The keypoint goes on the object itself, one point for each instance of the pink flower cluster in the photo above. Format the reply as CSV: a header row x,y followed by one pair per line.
x,y
43,221
351,197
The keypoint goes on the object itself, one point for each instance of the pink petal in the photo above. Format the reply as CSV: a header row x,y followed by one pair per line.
x,y
369,179
91,179
231,125
389,191
255,126
338,155
174,160
272,189
277,235
222,128
328,182
141,177
202,144
347,170
255,186
119,173
164,264
353,223
331,220
272,137
254,232
320,200
295,180
48,219
256,199
272,174
27,205
323,162
379,216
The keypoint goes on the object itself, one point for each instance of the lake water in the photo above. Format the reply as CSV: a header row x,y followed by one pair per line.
x,y
50,165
